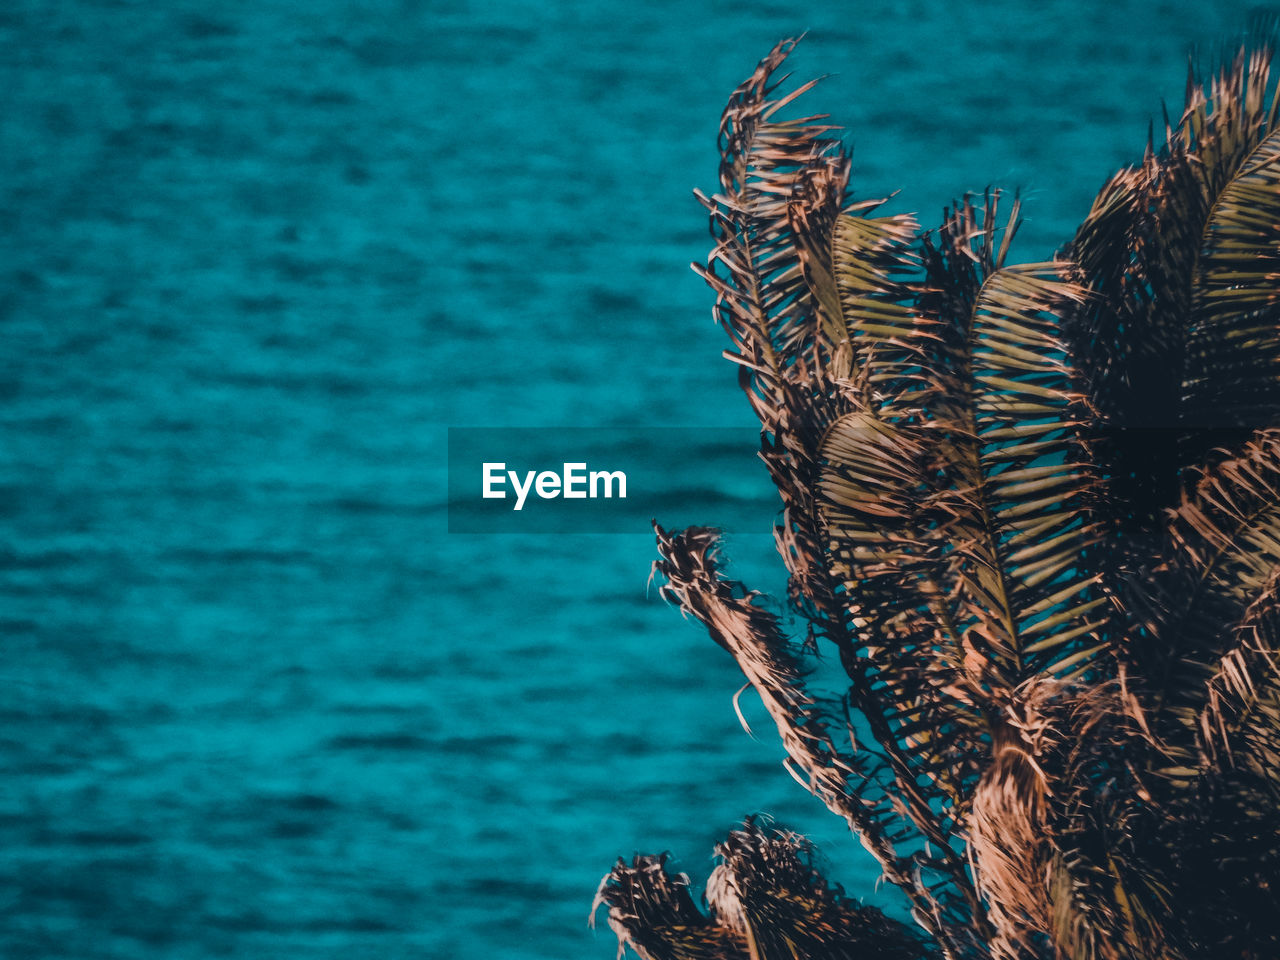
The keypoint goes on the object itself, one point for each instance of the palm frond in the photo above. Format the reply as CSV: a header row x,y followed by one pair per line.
x,y
767,886
875,267
1053,827
1136,251
1239,724
844,782
1022,509
1225,118
778,178
1233,348
782,183
652,912
1010,429
906,666
767,900
1222,543
1176,347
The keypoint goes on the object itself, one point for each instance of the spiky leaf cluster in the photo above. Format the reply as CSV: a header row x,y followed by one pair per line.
x,y
1034,509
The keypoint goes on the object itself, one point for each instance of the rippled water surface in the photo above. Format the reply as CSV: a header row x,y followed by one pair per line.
x,y
257,257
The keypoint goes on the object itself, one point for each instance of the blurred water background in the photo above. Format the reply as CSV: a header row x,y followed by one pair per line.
x,y
257,257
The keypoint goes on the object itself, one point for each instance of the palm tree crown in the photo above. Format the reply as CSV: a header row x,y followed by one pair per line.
x,y
1035,511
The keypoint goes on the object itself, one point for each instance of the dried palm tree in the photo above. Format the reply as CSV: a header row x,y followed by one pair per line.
x,y
1034,509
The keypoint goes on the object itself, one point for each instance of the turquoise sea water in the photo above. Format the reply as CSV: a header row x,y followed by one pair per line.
x,y
257,258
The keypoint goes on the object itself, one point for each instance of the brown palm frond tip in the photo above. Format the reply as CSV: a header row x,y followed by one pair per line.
x,y
765,899
1034,510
